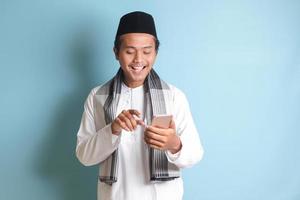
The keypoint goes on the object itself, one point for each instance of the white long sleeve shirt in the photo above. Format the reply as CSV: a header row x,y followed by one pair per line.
x,y
95,142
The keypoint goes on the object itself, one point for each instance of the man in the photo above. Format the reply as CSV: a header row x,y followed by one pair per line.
x,y
137,160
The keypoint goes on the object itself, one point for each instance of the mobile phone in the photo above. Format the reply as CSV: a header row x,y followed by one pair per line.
x,y
162,121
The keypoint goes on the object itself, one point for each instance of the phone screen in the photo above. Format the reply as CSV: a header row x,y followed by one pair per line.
x,y
162,121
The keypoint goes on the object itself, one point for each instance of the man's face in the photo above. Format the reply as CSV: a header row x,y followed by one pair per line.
x,y
136,56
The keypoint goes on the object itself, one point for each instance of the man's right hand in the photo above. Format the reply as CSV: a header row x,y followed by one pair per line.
x,y
126,120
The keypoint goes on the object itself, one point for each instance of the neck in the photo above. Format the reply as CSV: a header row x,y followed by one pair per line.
x,y
133,84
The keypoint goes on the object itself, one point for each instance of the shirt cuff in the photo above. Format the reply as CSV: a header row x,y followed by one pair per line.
x,y
114,138
173,157
179,157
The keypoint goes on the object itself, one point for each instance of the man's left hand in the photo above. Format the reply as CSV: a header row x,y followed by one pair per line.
x,y
163,138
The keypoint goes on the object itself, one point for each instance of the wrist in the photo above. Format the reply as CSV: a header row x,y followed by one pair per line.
x,y
177,145
114,130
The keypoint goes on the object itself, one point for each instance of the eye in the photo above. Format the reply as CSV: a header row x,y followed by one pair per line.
x,y
129,52
147,52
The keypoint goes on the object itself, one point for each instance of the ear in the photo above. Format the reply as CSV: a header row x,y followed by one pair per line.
x,y
116,53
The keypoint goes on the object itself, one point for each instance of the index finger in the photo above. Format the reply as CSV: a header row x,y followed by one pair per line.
x,y
134,112
157,130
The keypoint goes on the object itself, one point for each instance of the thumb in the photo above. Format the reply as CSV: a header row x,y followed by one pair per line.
x,y
172,125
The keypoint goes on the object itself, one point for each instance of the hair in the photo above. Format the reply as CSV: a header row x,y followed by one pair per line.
x,y
117,44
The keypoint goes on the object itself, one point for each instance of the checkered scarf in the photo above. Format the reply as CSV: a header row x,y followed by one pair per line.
x,y
157,93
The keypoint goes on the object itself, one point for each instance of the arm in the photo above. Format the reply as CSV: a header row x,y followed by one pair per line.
x,y
94,146
191,150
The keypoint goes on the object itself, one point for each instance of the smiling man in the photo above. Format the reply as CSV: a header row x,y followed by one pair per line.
x,y
137,160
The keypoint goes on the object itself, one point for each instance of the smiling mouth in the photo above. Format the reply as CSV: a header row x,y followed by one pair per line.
x,y
137,67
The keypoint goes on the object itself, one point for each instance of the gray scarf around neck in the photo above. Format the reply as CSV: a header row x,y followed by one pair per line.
x,y
156,93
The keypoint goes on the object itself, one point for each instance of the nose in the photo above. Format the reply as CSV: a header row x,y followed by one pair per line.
x,y
138,57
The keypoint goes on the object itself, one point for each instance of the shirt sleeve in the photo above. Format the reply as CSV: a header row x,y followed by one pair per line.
x,y
191,151
94,146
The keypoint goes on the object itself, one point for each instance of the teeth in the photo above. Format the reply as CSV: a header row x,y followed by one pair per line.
x,y
137,67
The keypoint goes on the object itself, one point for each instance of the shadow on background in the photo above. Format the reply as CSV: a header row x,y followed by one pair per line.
x,y
58,164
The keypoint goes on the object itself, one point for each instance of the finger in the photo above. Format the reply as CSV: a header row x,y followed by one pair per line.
x,y
131,118
121,124
134,112
139,121
172,125
156,147
154,142
160,131
157,137
126,121
152,128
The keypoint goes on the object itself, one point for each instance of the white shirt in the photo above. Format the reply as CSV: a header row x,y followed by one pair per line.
x,y
95,143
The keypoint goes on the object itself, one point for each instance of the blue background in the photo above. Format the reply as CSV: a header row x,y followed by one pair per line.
x,y
237,61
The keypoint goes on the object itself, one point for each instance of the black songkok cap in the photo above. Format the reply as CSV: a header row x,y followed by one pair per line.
x,y
136,22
